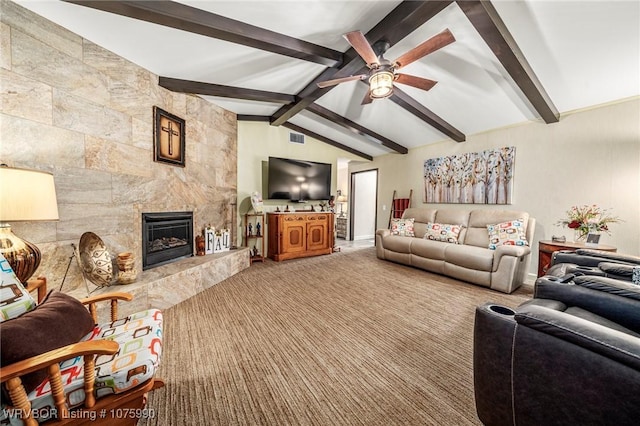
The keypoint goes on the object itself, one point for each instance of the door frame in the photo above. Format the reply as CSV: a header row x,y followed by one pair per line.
x,y
352,186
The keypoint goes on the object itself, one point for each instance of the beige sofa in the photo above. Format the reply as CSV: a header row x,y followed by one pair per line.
x,y
503,269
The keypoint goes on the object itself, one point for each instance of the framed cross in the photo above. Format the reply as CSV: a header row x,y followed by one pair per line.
x,y
168,137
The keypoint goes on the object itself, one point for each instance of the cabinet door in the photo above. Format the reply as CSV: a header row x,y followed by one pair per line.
x,y
317,236
293,235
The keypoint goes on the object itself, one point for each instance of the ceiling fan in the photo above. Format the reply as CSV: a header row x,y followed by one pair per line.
x,y
382,72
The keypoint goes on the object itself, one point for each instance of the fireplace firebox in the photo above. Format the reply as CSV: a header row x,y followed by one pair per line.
x,y
166,237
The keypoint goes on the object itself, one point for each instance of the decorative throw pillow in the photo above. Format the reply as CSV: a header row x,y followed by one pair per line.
x,y
511,233
58,321
402,227
15,300
443,232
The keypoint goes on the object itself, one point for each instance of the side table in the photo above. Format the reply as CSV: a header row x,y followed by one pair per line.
x,y
341,227
546,249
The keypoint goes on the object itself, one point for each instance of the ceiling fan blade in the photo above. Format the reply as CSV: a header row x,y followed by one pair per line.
x,y
367,99
359,42
412,80
335,81
434,43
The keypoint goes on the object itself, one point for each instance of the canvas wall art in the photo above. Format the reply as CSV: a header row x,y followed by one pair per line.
x,y
484,177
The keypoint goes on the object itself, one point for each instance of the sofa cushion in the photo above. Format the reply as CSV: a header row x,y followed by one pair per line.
x,y
420,214
618,269
590,316
609,285
398,244
470,257
510,233
444,232
618,257
421,217
428,248
402,227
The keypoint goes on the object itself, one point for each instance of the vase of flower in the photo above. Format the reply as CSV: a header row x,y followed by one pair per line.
x,y
579,236
588,219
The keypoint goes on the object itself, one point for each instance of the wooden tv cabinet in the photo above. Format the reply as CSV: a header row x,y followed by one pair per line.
x,y
300,234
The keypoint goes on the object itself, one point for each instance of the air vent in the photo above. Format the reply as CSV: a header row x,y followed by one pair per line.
x,y
296,137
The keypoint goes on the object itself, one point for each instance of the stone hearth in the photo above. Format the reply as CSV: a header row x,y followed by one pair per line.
x,y
168,285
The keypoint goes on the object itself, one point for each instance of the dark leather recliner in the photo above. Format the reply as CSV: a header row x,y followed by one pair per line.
x,y
593,262
569,356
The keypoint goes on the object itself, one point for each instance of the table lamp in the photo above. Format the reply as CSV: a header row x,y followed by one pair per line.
x,y
341,199
25,196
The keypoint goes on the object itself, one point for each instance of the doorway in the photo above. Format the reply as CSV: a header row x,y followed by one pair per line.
x,y
364,202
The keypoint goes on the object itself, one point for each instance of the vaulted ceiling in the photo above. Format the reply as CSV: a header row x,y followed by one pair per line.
x,y
512,61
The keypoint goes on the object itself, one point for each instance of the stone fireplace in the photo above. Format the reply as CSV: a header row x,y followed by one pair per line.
x,y
166,237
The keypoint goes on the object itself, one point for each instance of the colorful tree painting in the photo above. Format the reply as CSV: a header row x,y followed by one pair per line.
x,y
484,177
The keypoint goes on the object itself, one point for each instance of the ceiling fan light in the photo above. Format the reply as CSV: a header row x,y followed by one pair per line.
x,y
381,84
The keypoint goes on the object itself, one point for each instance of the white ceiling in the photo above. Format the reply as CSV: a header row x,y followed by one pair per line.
x,y
584,53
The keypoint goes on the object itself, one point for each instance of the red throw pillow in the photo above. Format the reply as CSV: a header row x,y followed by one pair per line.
x,y
58,321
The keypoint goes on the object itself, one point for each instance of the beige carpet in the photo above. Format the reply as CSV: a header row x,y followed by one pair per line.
x,y
344,339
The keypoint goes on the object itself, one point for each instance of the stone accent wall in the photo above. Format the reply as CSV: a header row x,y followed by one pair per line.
x,y
71,107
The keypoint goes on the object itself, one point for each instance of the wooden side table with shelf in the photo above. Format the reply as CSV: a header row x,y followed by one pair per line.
x,y
547,248
254,235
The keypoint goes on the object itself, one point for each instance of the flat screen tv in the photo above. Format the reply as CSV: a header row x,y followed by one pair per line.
x,y
298,180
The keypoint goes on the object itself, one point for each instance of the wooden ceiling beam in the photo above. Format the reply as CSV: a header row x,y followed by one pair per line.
x,y
356,128
200,88
414,107
484,17
198,21
400,22
326,140
249,117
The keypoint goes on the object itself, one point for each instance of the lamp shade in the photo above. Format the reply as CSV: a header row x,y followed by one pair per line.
x,y
342,199
27,195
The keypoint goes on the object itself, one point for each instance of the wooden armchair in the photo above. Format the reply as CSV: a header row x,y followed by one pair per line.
x,y
124,408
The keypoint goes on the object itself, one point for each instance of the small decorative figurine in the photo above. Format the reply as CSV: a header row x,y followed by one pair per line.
x,y
277,209
200,245
255,251
287,208
250,228
258,229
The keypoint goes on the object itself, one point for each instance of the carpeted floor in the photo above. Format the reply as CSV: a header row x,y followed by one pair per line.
x,y
344,339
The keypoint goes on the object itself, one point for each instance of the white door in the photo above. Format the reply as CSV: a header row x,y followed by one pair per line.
x,y
364,190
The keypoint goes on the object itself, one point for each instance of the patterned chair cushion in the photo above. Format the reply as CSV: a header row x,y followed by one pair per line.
x,y
140,339
15,300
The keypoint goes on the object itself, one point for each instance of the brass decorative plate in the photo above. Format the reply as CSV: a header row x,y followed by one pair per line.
x,y
95,260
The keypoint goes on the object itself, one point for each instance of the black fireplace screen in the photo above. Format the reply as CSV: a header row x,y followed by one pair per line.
x,y
166,237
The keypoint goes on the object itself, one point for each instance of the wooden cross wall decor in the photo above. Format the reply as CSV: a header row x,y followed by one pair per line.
x,y
168,137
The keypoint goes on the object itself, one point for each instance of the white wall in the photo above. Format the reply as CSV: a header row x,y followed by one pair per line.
x,y
257,141
589,156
